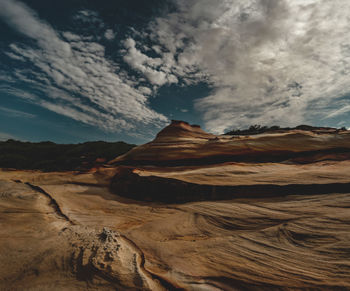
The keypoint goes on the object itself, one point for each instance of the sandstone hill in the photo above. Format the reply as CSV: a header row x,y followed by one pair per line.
x,y
184,163
184,144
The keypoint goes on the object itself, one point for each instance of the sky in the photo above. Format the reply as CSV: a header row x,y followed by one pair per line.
x,y
79,70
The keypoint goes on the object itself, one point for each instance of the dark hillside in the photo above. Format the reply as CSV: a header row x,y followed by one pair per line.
x,y
49,156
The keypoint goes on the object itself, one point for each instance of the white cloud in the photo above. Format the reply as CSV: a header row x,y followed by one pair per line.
x,y
267,61
75,74
109,34
149,67
145,90
89,16
14,56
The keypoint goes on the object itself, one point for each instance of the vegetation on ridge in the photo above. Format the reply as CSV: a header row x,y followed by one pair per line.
x,y
258,129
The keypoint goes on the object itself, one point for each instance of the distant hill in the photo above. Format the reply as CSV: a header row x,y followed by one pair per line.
x,y
49,156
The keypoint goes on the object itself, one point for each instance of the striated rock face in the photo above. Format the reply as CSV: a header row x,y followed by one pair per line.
x,y
182,144
183,163
151,186
181,129
43,249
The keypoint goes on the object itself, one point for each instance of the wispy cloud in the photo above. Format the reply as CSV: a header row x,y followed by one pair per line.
x,y
15,113
89,16
74,75
338,112
18,92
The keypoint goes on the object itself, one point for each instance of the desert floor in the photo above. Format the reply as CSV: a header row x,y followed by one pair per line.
x,y
66,231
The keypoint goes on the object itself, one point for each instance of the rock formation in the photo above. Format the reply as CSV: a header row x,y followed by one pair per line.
x,y
183,163
183,144
266,212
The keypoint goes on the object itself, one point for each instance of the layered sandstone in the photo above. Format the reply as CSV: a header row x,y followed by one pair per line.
x,y
184,144
187,211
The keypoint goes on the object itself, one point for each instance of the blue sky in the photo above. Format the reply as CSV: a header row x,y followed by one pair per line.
x,y
78,70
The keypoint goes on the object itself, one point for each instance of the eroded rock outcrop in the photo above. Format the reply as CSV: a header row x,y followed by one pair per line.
x,y
182,144
128,183
158,171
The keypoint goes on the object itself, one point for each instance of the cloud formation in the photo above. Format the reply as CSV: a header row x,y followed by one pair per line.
x,y
265,61
74,75
268,61
109,34
15,113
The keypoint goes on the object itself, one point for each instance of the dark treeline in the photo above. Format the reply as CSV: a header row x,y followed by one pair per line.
x,y
49,156
258,129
